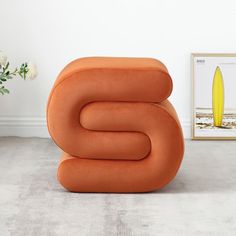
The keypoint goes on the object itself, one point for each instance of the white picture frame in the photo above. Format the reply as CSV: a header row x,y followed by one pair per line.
x,y
214,96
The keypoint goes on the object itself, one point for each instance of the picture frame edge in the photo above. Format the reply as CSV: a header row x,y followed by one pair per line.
x,y
192,56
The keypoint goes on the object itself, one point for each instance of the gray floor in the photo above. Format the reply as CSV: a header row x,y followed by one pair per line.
x,y
200,201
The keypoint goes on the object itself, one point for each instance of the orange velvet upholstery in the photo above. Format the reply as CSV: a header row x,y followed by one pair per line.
x,y
112,119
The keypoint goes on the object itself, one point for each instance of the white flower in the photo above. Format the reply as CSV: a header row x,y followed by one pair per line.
x,y
32,71
3,59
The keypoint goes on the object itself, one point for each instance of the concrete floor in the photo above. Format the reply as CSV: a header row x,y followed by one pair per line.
x,y
200,201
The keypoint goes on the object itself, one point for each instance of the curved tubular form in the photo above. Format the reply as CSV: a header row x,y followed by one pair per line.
x,y
111,118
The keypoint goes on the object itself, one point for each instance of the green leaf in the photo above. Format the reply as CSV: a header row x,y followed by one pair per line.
x,y
3,90
3,79
6,90
5,68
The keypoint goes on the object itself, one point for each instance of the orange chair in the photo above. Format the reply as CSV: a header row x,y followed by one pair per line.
x,y
112,119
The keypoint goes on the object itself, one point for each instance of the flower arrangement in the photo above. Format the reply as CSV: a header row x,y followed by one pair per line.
x,y
25,71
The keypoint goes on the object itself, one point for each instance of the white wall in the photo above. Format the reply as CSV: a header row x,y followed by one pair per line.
x,y
53,32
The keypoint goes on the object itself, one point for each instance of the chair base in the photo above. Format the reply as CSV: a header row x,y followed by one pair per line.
x,y
112,176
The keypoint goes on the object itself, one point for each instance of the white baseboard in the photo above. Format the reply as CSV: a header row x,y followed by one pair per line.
x,y
24,127
37,127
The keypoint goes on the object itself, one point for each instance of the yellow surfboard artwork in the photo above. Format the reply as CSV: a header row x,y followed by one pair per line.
x,y
218,98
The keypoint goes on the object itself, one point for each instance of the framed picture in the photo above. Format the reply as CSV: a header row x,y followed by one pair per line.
x,y
214,96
